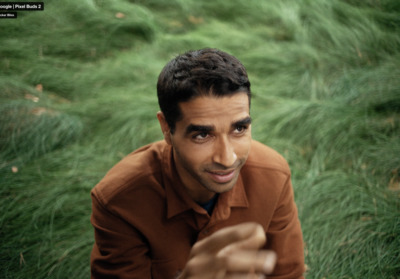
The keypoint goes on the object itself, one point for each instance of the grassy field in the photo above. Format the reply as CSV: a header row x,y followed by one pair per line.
x,y
77,93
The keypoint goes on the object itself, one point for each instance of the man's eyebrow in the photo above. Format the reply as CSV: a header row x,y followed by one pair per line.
x,y
209,128
242,122
199,128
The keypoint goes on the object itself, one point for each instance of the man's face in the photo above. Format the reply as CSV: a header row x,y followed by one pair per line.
x,y
211,143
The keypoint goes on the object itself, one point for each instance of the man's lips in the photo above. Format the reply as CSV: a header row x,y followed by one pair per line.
x,y
222,176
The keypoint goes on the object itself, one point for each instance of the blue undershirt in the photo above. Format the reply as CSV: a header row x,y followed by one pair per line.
x,y
209,206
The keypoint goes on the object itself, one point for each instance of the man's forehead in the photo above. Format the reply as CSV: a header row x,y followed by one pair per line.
x,y
204,105
205,113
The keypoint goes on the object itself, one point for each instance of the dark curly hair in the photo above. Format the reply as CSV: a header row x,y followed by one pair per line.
x,y
204,72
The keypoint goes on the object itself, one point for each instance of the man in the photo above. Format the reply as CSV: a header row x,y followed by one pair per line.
x,y
207,201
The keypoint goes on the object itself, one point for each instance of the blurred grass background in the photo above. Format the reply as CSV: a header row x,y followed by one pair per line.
x,y
77,93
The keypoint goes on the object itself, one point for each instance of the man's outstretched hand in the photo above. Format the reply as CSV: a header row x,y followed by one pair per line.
x,y
232,252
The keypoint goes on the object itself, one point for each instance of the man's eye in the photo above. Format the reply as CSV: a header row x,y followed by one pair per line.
x,y
201,136
240,129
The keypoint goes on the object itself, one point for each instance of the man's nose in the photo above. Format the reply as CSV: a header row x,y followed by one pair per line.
x,y
224,153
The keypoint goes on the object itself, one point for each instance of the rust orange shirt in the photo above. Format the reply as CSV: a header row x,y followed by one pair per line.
x,y
145,223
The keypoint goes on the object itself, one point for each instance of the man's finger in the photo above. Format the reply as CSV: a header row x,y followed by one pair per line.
x,y
250,262
254,242
227,236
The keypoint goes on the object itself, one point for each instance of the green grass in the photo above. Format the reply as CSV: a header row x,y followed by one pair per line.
x,y
77,93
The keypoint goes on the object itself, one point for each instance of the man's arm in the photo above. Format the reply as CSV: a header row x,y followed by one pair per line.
x,y
119,251
237,253
284,236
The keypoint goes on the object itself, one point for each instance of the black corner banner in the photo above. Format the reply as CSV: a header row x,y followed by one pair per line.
x,y
8,9
21,6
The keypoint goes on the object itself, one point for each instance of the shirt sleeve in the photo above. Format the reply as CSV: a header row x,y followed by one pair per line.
x,y
119,250
284,236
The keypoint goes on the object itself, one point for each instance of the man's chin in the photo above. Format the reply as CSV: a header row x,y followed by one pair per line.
x,y
220,188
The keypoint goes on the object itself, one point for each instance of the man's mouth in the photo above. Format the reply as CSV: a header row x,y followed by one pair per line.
x,y
222,176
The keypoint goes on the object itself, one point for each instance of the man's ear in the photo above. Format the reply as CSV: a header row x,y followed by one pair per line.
x,y
164,127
